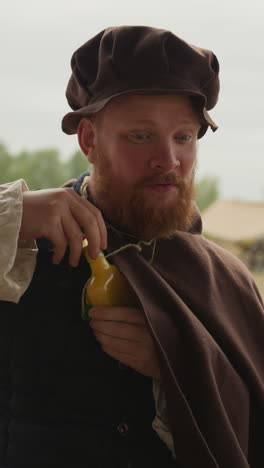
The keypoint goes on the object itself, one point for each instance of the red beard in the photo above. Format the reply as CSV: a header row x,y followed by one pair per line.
x,y
145,217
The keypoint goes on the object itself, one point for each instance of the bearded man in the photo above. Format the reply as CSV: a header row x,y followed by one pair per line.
x,y
177,380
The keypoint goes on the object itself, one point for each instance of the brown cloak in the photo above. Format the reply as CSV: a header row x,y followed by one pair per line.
x,y
207,319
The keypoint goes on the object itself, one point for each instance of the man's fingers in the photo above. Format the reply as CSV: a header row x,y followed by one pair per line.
x,y
117,344
69,183
74,237
95,212
131,315
64,218
121,331
141,358
80,218
75,247
59,243
90,219
91,231
59,252
97,215
129,343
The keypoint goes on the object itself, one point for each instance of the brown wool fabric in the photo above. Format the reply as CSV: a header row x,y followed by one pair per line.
x,y
207,320
139,60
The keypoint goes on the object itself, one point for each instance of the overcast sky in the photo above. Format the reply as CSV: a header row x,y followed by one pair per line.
x,y
37,39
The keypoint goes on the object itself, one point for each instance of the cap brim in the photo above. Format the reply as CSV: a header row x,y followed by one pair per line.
x,y
71,120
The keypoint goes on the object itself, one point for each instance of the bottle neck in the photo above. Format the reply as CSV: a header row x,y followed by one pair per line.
x,y
99,264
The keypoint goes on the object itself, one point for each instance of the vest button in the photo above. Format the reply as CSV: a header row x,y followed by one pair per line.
x,y
122,429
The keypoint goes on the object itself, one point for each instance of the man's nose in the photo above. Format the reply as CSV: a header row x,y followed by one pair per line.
x,y
165,156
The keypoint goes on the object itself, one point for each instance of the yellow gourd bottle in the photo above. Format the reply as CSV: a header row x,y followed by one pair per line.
x,y
106,286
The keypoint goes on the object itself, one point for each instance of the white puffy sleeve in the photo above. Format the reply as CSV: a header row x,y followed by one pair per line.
x,y
17,258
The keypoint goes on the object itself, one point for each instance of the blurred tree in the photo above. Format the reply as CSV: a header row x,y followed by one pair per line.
x,y
41,168
45,169
207,191
76,165
6,162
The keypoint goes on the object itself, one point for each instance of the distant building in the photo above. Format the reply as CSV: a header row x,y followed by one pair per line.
x,y
234,221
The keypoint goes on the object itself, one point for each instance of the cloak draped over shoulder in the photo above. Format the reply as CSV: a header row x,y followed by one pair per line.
x,y
207,319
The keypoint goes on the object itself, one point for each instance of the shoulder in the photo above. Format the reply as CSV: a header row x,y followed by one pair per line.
x,y
202,261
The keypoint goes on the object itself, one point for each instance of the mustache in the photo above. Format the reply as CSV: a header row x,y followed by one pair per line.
x,y
162,180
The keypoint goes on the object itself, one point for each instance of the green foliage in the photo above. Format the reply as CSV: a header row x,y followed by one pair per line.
x,y
6,161
45,169
76,165
207,191
41,168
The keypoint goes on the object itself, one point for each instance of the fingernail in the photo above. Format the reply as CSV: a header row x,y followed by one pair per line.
x,y
91,313
95,254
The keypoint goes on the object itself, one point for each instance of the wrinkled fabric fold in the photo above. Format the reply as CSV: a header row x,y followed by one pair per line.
x,y
207,320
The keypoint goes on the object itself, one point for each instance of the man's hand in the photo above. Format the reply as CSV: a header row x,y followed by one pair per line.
x,y
64,218
124,334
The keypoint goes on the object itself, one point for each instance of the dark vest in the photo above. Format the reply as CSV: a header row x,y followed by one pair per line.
x,y
63,401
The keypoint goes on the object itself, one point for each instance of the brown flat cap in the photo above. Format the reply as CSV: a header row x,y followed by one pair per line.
x,y
139,60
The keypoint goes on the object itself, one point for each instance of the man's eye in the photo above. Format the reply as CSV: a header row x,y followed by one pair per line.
x,y
138,137
183,138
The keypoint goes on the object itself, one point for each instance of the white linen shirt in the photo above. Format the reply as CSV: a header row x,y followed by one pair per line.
x,y
17,258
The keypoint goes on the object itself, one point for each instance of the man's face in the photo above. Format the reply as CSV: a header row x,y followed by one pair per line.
x,y
144,155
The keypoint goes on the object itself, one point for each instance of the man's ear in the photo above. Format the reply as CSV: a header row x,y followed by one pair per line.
x,y
86,138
